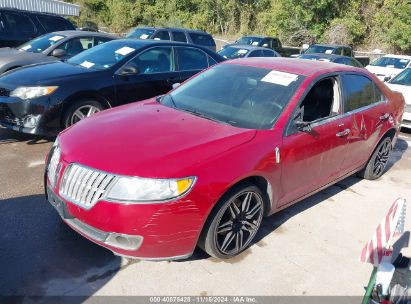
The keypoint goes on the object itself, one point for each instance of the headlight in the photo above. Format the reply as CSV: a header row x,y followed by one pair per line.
x,y
32,92
134,189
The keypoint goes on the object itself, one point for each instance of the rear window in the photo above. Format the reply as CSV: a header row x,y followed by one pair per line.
x,y
359,92
52,24
202,39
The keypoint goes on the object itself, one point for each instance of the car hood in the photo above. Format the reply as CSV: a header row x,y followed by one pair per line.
x,y
43,73
148,139
405,90
381,72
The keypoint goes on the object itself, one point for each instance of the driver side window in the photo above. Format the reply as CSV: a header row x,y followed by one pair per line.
x,y
322,101
155,60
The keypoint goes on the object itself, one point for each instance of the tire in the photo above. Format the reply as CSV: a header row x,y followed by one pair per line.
x,y
79,110
377,163
222,240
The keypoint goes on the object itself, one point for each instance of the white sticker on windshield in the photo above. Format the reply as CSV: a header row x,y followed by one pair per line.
x,y
25,48
242,52
56,38
144,36
125,50
404,60
254,43
87,64
280,78
328,51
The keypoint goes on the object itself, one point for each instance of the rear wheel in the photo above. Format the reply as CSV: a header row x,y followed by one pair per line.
x,y
79,110
378,162
234,222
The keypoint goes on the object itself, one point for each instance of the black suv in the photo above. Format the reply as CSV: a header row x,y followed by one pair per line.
x,y
175,34
18,27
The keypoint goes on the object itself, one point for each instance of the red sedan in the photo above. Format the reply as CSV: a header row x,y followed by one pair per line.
x,y
205,163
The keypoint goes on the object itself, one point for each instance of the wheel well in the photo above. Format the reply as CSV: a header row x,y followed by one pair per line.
x,y
389,133
73,98
264,187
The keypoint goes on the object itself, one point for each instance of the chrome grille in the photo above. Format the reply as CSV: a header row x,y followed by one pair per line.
x,y
52,171
84,186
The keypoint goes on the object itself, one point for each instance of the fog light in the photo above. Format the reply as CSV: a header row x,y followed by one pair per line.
x,y
31,121
122,241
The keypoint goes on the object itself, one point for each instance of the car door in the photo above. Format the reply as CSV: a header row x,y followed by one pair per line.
x,y
161,35
75,46
179,36
190,61
367,110
154,75
311,157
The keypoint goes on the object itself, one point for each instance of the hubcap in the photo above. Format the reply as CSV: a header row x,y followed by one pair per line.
x,y
83,112
239,223
381,160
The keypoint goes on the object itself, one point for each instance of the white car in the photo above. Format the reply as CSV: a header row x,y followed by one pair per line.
x,y
402,83
389,66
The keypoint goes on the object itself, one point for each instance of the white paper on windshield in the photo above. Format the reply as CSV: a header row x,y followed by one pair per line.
x,y
87,64
280,78
144,36
328,51
254,43
56,38
404,60
241,52
125,50
25,48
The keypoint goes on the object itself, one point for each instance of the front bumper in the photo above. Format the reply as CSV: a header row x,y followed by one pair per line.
x,y
159,231
25,116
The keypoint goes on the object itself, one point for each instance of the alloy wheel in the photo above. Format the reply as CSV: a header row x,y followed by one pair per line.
x,y
382,157
239,223
83,112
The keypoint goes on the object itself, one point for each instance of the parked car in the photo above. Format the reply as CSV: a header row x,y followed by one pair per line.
x,y
266,42
50,47
18,27
332,58
388,66
243,51
204,163
45,98
402,83
175,34
89,26
336,49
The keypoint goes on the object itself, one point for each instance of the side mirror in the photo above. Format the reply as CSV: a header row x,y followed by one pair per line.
x,y
176,85
58,53
303,126
129,70
387,78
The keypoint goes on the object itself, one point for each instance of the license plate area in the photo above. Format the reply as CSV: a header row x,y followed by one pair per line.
x,y
58,204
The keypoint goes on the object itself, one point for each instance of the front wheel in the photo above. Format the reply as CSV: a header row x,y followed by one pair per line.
x,y
80,110
234,222
378,161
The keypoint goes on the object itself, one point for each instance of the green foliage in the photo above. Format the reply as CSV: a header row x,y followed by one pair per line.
x,y
382,24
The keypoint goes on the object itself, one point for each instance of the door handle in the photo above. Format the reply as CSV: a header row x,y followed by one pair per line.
x,y
343,133
384,116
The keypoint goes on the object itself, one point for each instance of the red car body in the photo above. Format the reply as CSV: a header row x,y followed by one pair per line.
x,y
148,139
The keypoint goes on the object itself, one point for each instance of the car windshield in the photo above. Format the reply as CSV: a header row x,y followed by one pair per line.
x,y
41,43
391,62
241,96
403,78
249,40
233,52
140,33
104,55
319,49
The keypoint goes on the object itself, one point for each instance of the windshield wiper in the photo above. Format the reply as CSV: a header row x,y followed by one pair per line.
x,y
199,114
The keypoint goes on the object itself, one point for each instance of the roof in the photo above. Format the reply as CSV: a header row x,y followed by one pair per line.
x,y
170,28
292,65
72,33
330,45
323,55
248,47
397,56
